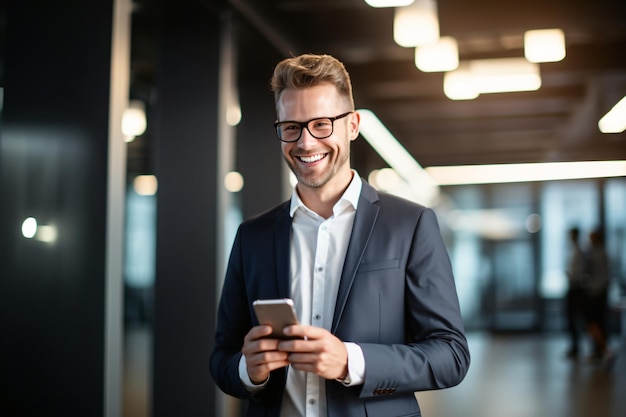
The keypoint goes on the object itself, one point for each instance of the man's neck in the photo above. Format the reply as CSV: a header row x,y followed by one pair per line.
x,y
322,199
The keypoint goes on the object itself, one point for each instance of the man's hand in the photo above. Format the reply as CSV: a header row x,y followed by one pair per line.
x,y
262,354
316,350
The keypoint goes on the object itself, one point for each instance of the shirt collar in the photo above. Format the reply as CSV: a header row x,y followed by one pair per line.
x,y
349,197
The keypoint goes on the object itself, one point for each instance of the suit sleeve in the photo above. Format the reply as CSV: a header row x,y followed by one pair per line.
x,y
435,353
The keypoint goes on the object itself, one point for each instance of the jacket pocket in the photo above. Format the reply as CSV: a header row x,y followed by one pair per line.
x,y
379,265
400,406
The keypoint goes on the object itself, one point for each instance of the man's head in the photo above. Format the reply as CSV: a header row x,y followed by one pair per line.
x,y
596,237
316,120
310,70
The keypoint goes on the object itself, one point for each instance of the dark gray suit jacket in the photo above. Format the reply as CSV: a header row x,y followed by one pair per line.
x,y
397,300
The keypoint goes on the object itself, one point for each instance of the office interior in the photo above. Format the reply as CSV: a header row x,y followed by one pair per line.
x,y
108,289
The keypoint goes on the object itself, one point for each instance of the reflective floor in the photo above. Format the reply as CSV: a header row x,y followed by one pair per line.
x,y
529,376
512,375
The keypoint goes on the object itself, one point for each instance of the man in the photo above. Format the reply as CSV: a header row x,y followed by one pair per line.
x,y
596,296
368,272
574,296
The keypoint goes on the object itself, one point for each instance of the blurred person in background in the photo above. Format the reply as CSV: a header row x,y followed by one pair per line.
x,y
575,292
596,295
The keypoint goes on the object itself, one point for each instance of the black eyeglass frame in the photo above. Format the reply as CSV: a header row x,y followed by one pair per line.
x,y
305,125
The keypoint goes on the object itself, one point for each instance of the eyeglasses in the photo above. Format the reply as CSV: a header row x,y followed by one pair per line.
x,y
319,128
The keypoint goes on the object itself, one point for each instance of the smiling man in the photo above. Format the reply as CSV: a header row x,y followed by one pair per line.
x,y
368,273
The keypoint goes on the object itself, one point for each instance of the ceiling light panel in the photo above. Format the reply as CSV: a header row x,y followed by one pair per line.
x,y
417,24
545,45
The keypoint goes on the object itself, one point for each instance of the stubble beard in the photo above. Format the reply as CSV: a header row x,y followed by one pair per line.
x,y
323,178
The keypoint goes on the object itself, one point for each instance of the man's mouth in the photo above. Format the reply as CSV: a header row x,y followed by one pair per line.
x,y
308,159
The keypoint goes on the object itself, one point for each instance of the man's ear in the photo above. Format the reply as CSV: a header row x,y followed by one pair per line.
x,y
355,121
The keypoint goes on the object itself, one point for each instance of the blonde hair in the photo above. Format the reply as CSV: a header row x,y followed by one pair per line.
x,y
309,70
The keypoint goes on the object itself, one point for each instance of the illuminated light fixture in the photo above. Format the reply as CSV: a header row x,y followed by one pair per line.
x,y
440,56
509,173
233,181
134,120
388,180
500,75
544,45
388,3
492,224
233,114
459,84
43,233
145,184
46,233
416,24
483,76
615,120
383,178
29,227
398,158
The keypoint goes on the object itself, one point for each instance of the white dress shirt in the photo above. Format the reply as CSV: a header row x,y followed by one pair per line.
x,y
318,249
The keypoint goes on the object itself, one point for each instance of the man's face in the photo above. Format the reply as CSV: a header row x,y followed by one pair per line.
x,y
318,162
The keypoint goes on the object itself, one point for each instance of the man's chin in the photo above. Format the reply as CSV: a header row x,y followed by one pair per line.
x,y
311,181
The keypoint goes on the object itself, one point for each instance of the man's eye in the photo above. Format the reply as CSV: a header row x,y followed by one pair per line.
x,y
321,124
291,126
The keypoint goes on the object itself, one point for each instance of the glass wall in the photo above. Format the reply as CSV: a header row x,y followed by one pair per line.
x,y
508,245
492,250
615,206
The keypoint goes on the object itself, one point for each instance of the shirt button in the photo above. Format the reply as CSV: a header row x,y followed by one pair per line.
x,y
311,401
320,269
317,317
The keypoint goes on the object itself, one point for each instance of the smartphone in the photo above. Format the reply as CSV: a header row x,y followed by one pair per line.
x,y
277,313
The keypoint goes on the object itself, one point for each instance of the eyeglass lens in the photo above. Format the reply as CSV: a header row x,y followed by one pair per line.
x,y
318,128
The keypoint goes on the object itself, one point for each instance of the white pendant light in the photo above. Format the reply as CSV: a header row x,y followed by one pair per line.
x,y
501,75
417,24
459,84
388,3
134,120
440,56
483,76
544,45
145,184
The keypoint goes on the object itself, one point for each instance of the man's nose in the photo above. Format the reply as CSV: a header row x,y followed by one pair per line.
x,y
306,139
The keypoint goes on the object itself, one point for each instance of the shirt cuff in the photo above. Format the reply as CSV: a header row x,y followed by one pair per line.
x,y
245,378
356,365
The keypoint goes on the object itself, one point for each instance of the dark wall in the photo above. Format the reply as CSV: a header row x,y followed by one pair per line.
x,y
53,166
186,151
259,156
186,166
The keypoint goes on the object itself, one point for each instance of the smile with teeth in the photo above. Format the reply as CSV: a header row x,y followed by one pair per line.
x,y
312,158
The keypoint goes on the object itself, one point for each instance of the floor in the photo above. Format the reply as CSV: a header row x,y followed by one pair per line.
x,y
511,375
529,376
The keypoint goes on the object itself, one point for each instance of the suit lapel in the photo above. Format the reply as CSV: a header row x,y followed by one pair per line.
x,y
282,242
364,221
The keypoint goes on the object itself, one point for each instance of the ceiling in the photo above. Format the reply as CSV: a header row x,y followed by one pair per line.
x,y
556,123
